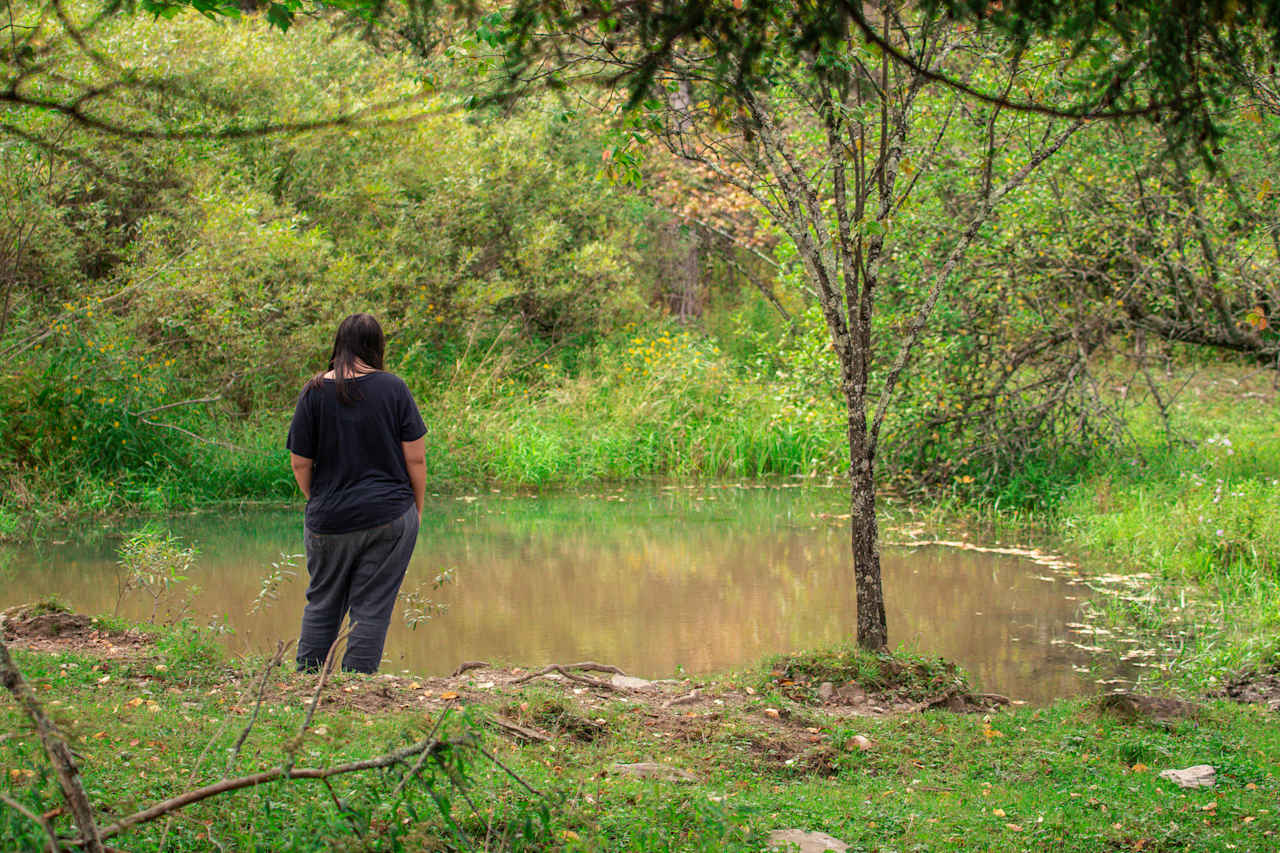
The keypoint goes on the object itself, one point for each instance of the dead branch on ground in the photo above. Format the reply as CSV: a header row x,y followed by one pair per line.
x,y
468,665
276,660
565,670
519,731
54,845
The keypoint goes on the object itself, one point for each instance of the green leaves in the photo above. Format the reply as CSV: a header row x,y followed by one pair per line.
x,y
493,30
279,13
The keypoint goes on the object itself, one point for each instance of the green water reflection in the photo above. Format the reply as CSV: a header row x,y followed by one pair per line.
x,y
651,580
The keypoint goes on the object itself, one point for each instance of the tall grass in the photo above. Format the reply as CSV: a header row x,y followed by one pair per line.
x,y
668,403
1199,508
654,403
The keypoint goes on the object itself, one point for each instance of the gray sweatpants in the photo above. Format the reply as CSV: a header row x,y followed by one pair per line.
x,y
359,572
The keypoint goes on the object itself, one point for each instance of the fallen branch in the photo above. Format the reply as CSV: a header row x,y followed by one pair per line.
x,y
276,660
325,670
56,748
518,730
468,665
564,669
90,836
417,766
487,754
185,799
687,699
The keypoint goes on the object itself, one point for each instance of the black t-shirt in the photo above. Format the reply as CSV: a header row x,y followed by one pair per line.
x,y
360,479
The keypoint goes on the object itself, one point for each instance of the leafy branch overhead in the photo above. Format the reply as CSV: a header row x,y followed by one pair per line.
x,y
1173,62
1160,58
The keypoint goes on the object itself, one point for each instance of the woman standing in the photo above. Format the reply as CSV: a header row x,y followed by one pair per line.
x,y
357,452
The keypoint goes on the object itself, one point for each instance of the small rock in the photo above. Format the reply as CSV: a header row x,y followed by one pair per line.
x,y
653,770
1134,705
804,842
852,693
826,690
861,742
1200,776
687,699
627,682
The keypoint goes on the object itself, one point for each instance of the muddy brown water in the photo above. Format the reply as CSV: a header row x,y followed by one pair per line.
x,y
656,581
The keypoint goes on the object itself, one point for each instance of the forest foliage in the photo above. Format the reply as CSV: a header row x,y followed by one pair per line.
x,y
165,297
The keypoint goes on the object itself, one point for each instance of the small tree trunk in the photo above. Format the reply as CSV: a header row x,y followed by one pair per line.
x,y
864,532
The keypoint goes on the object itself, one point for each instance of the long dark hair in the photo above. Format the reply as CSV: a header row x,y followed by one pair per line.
x,y
359,337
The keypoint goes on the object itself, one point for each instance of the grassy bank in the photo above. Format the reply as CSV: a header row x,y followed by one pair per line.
x,y
754,753
1190,506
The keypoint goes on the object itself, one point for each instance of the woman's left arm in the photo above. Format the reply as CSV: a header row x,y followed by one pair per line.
x,y
302,473
415,459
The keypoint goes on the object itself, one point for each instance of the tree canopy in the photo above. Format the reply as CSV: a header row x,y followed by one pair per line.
x,y
1166,59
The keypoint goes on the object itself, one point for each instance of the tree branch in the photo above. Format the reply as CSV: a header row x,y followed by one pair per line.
x,y
953,259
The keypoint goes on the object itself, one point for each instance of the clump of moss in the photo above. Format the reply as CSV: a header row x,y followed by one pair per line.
x,y
557,714
899,676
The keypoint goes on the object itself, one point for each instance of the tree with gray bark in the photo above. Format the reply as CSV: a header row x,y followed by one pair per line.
x,y
836,143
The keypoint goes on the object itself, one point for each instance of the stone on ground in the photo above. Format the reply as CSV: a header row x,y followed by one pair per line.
x,y
1199,776
653,770
804,842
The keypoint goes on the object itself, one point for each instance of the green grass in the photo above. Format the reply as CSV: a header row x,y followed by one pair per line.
x,y
1064,777
1195,511
1201,514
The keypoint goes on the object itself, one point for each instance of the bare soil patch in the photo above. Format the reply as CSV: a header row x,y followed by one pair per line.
x,y
1134,706
1262,688
49,629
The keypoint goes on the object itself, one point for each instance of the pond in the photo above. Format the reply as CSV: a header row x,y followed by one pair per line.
x,y
654,580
